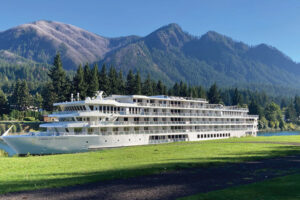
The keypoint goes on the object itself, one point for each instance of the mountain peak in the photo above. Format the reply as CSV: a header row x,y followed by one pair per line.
x,y
168,36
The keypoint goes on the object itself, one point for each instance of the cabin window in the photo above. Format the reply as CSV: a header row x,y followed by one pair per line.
x,y
136,128
126,129
103,129
90,130
125,119
91,107
115,129
78,130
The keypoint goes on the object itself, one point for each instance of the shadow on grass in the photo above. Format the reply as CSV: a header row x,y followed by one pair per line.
x,y
63,179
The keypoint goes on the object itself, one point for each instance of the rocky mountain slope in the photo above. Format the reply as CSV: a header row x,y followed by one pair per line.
x,y
169,54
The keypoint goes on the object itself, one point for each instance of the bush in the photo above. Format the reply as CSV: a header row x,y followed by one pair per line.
x,y
29,119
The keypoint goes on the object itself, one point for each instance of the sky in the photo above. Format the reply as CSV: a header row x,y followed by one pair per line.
x,y
274,22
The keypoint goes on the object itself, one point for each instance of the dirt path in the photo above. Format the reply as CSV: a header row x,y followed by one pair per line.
x,y
171,185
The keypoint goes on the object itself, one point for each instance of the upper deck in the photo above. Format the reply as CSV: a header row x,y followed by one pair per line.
x,y
141,101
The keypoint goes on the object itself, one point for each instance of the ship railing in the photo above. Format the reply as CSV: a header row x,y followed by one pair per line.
x,y
170,123
205,106
159,114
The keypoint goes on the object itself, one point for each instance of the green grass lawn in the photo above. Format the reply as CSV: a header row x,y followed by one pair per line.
x,y
28,173
282,188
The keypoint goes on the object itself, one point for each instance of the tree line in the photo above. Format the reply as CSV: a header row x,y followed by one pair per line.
x,y
89,79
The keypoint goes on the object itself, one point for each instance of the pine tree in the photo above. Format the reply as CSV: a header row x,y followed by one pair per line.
x,y
87,77
49,97
138,84
130,83
121,83
201,92
21,97
113,81
254,108
160,87
183,90
236,99
79,84
38,100
297,105
4,107
147,87
93,86
290,113
58,79
103,80
214,94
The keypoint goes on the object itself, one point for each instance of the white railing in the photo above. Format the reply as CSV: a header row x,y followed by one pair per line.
x,y
123,113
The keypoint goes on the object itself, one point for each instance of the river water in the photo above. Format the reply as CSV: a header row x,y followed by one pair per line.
x,y
278,133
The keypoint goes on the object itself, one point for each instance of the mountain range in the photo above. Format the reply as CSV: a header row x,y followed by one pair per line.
x,y
168,53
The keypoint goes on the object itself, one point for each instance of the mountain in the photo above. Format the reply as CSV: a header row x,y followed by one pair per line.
x,y
7,57
168,53
40,41
171,54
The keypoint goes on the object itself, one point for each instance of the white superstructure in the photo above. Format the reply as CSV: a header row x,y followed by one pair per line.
x,y
122,120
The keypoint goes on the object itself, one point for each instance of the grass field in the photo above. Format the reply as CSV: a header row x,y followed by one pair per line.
x,y
34,172
282,188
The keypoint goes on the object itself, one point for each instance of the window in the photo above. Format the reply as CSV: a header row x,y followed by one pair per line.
x,y
90,130
78,130
103,129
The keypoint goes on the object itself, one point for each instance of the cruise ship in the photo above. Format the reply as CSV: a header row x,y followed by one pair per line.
x,y
127,120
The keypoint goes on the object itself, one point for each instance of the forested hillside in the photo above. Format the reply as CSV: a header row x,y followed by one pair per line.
x,y
168,54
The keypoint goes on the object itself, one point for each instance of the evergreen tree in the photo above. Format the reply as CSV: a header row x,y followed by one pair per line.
x,y
113,81
4,107
201,92
147,87
290,113
159,87
93,86
21,97
103,80
254,109
130,83
49,97
297,105
214,94
176,90
138,83
87,79
183,90
236,99
121,83
79,84
38,100
58,79
154,86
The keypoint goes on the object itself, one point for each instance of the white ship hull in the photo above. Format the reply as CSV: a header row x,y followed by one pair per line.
x,y
24,144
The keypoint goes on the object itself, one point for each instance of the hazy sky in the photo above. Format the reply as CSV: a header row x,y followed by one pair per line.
x,y
275,22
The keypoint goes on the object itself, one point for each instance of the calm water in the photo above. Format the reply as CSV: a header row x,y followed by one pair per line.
x,y
279,133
